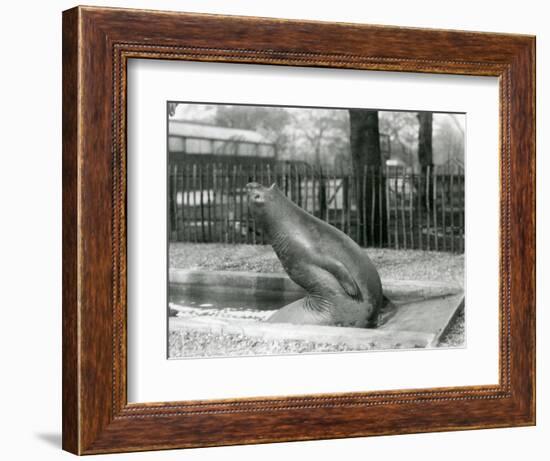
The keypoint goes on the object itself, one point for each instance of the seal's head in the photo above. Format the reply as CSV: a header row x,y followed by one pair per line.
x,y
261,199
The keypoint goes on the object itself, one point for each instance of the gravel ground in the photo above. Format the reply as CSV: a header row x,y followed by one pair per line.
x,y
394,264
454,336
186,343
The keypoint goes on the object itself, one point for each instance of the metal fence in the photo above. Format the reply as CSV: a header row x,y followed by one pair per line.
x,y
391,207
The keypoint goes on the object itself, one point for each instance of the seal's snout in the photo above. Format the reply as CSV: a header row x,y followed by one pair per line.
x,y
255,192
258,193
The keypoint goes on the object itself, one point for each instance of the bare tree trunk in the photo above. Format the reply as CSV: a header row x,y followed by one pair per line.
x,y
425,158
366,155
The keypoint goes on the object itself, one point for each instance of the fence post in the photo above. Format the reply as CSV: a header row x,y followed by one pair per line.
x,y
242,227
215,201
395,212
348,200
343,187
357,178
410,182
314,192
461,214
306,188
434,206
443,212
402,203
364,205
208,187
323,212
183,211
194,204
451,186
234,190
172,203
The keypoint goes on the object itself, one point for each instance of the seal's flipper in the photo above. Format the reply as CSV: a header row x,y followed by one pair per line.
x,y
299,313
386,311
344,277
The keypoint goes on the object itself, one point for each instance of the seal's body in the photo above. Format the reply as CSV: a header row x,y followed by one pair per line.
x,y
343,286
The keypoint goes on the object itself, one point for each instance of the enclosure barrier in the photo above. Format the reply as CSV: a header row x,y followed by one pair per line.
x,y
389,207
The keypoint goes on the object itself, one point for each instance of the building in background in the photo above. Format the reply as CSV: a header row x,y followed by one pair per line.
x,y
199,142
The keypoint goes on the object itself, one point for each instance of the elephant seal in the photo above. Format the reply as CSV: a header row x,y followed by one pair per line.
x,y
342,285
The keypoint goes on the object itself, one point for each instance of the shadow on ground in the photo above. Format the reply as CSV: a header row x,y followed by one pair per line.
x,y
51,438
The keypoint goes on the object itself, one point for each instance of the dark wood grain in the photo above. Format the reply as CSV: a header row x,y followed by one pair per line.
x,y
97,43
70,384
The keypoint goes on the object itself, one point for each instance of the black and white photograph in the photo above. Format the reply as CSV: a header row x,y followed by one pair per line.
x,y
299,230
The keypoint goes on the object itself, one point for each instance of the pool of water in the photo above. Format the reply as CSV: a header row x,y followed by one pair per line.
x,y
230,302
204,297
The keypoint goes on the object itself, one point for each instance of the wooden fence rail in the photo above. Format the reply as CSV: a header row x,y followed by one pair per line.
x,y
390,207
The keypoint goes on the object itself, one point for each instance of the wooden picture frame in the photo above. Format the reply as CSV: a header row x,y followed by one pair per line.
x,y
97,43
